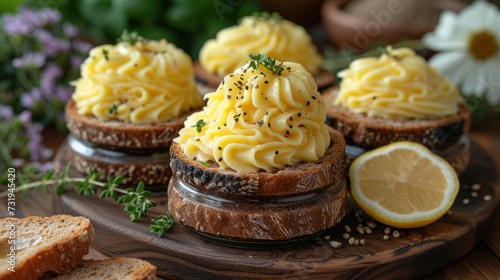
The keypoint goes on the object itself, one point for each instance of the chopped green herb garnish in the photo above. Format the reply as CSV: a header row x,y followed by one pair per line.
x,y
113,110
199,125
205,163
129,38
267,62
275,17
105,52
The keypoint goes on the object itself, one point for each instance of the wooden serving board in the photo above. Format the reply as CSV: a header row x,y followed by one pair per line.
x,y
416,253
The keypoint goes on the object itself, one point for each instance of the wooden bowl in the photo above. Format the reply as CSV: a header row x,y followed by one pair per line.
x,y
357,33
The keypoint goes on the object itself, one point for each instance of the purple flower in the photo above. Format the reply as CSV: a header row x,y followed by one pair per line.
x,y
51,44
76,61
50,15
31,98
39,18
82,46
29,59
25,117
15,25
70,30
35,145
43,167
48,78
63,93
6,112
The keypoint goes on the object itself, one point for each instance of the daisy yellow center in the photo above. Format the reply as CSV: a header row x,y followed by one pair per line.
x,y
483,45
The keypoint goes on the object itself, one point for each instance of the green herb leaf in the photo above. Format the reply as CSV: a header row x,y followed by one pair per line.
x,y
113,109
129,38
205,163
199,125
267,62
105,52
137,202
163,224
275,17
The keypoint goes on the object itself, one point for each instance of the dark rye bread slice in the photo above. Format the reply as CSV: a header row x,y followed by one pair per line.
x,y
121,135
209,82
152,169
254,220
369,133
57,243
299,178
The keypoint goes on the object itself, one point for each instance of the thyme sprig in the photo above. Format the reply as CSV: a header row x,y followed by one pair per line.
x,y
274,17
129,38
163,224
136,201
266,61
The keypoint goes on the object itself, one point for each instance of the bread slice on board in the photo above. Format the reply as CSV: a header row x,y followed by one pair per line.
x,y
109,269
57,243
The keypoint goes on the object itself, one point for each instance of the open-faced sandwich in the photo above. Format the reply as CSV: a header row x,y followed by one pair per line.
x,y
130,102
258,163
261,33
398,96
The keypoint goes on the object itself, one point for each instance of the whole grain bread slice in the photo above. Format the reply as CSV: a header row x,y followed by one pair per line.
x,y
40,244
369,132
300,178
118,268
122,135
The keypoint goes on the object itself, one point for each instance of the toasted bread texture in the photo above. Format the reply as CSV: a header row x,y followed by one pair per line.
x,y
122,135
151,168
259,218
368,132
299,178
110,269
57,243
289,203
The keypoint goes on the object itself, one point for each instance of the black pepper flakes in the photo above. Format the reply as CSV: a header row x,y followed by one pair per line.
x,y
220,159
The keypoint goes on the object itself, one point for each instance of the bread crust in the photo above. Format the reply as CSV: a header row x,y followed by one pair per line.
x,y
58,255
118,268
256,219
299,178
152,169
121,135
209,82
369,132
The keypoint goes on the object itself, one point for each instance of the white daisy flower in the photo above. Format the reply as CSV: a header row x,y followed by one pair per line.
x,y
468,46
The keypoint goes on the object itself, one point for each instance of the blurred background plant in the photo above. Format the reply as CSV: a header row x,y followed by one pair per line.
x,y
39,54
185,23
43,43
